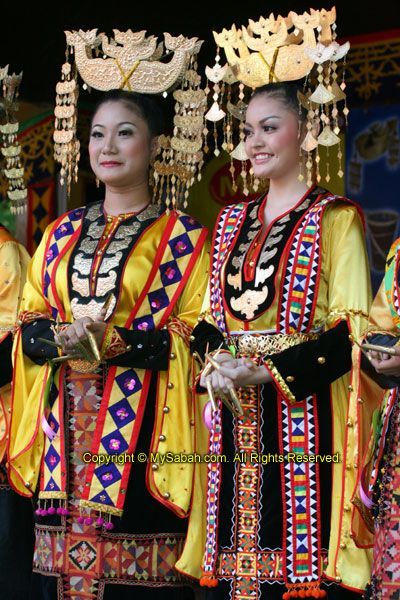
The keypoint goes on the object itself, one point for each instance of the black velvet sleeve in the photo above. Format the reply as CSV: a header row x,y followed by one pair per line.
x,y
36,350
5,360
310,366
204,333
149,350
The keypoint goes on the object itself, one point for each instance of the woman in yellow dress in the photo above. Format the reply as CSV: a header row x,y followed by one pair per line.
x,y
289,283
124,279
379,491
16,524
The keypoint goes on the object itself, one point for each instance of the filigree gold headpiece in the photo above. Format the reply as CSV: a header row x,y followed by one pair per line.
x,y
135,62
277,50
11,148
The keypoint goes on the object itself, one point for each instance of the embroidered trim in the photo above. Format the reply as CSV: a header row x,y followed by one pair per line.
x,y
113,344
302,544
384,581
53,470
228,225
301,274
83,366
53,496
213,489
269,564
386,411
284,388
100,507
62,235
83,561
248,474
268,344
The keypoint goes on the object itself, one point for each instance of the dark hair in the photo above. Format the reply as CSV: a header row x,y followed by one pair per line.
x,y
287,92
143,105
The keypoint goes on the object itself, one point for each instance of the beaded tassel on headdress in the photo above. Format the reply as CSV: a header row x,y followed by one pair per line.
x,y
277,50
134,62
11,149
66,146
182,156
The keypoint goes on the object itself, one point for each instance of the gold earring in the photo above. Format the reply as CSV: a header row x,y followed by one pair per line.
x,y
97,182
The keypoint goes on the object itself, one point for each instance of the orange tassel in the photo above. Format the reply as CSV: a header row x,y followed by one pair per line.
x,y
208,580
310,590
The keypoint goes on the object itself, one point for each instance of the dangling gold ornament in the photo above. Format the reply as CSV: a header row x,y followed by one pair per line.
x,y
11,149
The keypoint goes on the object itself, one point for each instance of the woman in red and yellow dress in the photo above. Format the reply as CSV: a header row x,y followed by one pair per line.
x,y
289,283
378,496
132,278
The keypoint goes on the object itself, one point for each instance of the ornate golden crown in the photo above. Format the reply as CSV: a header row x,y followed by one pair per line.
x,y
276,50
135,62
11,149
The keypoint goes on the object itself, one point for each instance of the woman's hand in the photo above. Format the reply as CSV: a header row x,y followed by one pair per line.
x,y
77,332
221,358
243,371
386,364
234,373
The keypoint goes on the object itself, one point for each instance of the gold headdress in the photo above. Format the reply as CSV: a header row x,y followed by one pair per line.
x,y
135,62
11,149
277,50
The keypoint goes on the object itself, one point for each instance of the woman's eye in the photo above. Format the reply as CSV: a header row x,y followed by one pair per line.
x,y
125,132
268,128
247,133
96,134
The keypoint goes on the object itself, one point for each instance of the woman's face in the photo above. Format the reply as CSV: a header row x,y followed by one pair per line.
x,y
272,139
120,145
